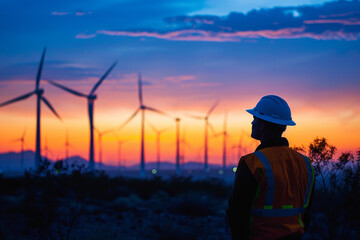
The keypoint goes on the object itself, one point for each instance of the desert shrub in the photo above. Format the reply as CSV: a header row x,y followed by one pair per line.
x,y
158,200
126,203
195,204
172,231
335,202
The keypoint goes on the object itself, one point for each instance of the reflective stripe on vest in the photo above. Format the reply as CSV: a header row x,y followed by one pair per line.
x,y
286,211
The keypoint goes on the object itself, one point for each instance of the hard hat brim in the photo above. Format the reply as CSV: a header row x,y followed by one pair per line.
x,y
271,119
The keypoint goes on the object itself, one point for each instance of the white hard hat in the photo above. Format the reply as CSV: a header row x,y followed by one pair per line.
x,y
273,109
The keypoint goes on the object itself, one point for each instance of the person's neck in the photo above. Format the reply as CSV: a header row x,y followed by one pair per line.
x,y
269,138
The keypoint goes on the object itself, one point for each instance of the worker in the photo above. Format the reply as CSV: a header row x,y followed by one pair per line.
x,y
273,186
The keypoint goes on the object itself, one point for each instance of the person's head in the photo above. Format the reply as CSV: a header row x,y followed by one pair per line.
x,y
271,116
261,128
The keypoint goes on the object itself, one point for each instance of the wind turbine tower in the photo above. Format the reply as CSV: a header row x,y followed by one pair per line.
x,y
22,139
67,145
158,143
177,120
101,134
39,97
225,135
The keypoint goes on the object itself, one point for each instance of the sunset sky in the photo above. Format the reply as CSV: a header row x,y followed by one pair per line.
x,y
190,54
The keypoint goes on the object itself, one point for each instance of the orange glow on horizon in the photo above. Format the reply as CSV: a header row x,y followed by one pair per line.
x,y
339,123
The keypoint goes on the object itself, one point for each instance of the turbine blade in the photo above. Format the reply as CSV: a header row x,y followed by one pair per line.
x,y
165,130
50,107
140,90
195,117
23,136
102,78
129,119
66,89
96,130
17,99
225,121
38,75
108,131
212,129
155,110
212,108
152,127
115,136
218,135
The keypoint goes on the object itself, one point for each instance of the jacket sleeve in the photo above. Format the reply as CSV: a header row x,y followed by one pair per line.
x,y
307,210
240,202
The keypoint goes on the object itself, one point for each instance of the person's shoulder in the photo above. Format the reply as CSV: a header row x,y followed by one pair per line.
x,y
251,160
248,156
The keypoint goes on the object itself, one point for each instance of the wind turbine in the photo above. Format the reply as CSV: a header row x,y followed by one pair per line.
x,y
184,143
22,139
91,97
207,125
67,145
158,136
177,121
225,136
120,143
141,108
101,134
39,97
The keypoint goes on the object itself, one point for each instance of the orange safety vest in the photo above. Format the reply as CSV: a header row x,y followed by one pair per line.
x,y
286,179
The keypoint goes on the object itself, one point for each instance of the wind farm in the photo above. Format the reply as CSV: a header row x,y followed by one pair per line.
x,y
180,142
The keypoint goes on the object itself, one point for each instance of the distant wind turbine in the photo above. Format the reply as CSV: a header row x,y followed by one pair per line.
x,y
177,121
120,143
184,144
241,147
67,145
91,97
39,94
207,125
158,136
101,134
141,108
225,136
22,139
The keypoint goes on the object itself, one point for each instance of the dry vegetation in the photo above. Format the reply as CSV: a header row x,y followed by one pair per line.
x,y
60,202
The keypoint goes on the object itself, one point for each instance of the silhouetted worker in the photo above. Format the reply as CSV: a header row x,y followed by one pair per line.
x,y
273,186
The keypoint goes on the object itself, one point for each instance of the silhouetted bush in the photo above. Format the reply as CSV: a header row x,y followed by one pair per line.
x,y
337,193
126,203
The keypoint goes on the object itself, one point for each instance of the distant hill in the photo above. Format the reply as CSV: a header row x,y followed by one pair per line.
x,y
171,165
11,161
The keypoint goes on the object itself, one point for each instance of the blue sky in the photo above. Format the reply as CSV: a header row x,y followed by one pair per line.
x,y
189,53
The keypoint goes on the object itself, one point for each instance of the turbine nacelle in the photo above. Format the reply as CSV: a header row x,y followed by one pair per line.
x,y
92,97
39,91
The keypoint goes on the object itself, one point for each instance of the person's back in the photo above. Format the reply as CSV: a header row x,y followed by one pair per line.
x,y
272,187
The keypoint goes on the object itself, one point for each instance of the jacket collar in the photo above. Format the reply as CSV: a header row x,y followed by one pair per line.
x,y
273,143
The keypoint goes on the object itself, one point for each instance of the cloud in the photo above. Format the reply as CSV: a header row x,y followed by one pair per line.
x,y
59,13
77,13
330,21
179,79
85,36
